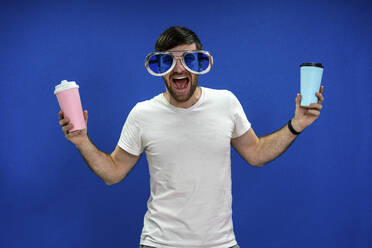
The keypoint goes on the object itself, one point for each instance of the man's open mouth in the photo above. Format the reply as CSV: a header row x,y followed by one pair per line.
x,y
180,82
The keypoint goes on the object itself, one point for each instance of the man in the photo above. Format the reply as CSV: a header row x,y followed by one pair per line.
x,y
187,132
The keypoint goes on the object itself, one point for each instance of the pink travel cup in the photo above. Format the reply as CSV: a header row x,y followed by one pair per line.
x,y
69,100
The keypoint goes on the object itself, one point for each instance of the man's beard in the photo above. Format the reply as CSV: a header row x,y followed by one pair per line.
x,y
193,85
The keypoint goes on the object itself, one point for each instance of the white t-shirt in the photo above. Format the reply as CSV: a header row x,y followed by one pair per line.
x,y
188,154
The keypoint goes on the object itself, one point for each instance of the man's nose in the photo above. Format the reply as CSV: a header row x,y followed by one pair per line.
x,y
179,67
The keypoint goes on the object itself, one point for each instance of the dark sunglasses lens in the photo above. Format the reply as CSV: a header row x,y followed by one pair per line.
x,y
160,63
197,61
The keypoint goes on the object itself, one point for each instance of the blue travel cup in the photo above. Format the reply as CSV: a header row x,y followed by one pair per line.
x,y
311,77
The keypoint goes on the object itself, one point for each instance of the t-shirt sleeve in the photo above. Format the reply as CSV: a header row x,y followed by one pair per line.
x,y
241,123
130,138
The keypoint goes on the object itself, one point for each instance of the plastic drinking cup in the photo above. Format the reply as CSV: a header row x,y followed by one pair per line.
x,y
69,100
311,77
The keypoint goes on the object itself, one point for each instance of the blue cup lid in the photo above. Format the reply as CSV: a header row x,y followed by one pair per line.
x,y
312,64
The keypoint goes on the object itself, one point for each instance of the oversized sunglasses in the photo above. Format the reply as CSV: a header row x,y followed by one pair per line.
x,y
161,63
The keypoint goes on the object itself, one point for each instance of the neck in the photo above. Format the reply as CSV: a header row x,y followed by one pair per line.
x,y
193,99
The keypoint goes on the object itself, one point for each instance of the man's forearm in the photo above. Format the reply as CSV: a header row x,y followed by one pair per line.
x,y
99,162
273,145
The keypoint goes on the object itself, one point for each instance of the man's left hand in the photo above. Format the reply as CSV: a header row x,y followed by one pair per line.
x,y
304,116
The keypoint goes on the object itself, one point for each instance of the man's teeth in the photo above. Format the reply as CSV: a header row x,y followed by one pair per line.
x,y
181,82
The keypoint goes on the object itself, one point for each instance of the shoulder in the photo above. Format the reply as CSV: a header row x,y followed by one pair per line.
x,y
145,107
220,94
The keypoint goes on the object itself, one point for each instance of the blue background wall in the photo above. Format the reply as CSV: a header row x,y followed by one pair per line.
x,y
318,194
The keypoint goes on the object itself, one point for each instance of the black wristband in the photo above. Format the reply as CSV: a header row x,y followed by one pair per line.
x,y
291,128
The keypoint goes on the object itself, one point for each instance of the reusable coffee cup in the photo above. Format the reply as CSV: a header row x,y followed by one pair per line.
x,y
69,100
311,77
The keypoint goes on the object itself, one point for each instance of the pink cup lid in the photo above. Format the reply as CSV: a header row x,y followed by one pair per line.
x,y
65,85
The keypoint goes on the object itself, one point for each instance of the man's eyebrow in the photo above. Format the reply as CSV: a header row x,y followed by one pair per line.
x,y
180,51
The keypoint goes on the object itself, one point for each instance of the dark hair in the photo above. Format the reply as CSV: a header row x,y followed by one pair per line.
x,y
175,36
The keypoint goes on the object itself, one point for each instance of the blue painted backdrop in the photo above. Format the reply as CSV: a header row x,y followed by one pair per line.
x,y
318,194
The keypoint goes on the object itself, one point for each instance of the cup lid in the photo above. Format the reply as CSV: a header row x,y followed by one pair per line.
x,y
65,85
312,64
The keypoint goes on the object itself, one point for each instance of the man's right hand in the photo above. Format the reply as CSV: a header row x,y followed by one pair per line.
x,y
75,137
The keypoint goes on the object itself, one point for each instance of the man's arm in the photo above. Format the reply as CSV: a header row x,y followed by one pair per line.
x,y
258,151
111,168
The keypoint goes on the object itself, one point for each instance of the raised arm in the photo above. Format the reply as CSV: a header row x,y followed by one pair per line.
x,y
258,151
111,168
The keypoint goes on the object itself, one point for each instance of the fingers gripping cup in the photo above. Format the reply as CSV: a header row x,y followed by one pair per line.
x,y
69,100
311,77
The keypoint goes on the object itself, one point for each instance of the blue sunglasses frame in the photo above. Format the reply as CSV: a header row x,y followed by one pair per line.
x,y
175,58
